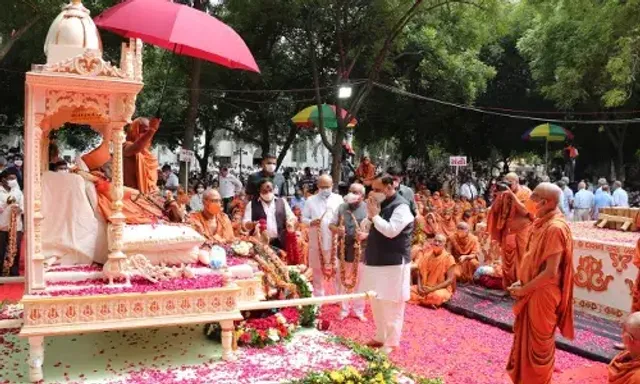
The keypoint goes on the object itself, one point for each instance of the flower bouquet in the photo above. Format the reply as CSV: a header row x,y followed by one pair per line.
x,y
242,248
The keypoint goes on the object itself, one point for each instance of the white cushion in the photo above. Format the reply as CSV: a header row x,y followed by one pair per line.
x,y
171,257
157,238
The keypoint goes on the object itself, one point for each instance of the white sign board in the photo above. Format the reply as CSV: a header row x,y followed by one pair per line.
x,y
186,155
458,161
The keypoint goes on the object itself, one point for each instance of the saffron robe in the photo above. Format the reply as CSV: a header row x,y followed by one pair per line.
x,y
511,230
447,225
623,369
136,209
139,165
549,306
461,246
635,303
432,271
221,233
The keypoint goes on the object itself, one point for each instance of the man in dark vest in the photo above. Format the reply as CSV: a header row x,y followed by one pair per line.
x,y
387,268
273,211
402,189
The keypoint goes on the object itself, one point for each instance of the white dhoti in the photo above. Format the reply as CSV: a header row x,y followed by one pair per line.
x,y
315,258
393,286
581,214
358,304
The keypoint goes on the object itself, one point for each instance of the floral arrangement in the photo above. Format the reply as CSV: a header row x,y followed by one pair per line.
x,y
261,332
242,248
309,313
378,370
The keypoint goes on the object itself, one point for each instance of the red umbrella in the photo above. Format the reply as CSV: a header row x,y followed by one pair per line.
x,y
179,28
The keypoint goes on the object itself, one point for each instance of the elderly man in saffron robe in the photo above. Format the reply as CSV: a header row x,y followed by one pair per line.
x,y
544,294
465,248
212,222
509,223
625,367
437,275
139,165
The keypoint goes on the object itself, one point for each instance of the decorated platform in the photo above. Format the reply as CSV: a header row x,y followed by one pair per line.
x,y
604,269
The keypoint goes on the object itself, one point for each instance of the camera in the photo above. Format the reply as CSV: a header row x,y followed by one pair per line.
x,y
503,186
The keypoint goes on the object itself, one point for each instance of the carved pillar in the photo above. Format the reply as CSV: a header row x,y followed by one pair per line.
x,y
36,358
137,65
36,265
227,340
114,268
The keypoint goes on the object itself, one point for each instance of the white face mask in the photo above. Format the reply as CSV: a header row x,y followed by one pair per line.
x,y
267,197
325,192
200,190
12,183
378,196
270,168
352,198
18,163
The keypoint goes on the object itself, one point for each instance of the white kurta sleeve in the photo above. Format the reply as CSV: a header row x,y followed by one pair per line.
x,y
288,213
306,212
400,218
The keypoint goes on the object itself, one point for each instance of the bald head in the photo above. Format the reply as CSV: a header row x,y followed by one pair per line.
x,y
617,184
440,238
462,226
582,185
325,181
547,191
602,181
357,189
631,334
512,177
211,195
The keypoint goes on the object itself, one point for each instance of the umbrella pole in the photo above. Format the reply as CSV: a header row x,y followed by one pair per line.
x,y
165,63
546,156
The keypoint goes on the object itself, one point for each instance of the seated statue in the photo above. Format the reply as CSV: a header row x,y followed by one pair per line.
x,y
437,276
212,223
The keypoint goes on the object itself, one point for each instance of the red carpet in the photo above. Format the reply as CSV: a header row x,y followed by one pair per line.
x,y
459,350
12,292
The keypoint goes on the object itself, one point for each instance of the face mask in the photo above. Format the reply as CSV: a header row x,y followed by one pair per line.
x,y
270,168
267,197
214,208
462,233
18,163
325,192
200,190
437,249
12,183
378,196
352,198
63,171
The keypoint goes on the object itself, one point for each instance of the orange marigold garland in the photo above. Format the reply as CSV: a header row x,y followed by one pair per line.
x,y
328,267
12,246
348,280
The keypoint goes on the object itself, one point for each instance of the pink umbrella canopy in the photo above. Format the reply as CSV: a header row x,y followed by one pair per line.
x,y
180,29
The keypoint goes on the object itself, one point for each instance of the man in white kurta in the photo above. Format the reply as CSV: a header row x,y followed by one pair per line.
x,y
318,213
387,268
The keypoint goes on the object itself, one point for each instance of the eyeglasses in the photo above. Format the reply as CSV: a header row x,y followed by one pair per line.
x,y
214,200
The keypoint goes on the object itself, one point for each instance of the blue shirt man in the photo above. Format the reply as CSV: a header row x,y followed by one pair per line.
x,y
602,200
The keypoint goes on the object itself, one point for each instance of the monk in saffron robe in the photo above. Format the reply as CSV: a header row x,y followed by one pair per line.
x,y
212,222
447,223
432,226
437,276
544,294
139,165
436,202
465,248
366,171
625,367
509,223
447,202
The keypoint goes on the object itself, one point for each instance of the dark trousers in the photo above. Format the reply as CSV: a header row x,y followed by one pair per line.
x,y
226,202
4,243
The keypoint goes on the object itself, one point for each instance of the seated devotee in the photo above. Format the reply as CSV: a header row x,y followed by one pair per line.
x,y
468,217
212,222
465,249
238,202
437,276
11,209
60,166
274,212
432,225
625,367
195,202
139,165
236,223
447,202
447,223
436,202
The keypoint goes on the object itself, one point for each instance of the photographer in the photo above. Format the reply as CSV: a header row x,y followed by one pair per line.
x,y
509,223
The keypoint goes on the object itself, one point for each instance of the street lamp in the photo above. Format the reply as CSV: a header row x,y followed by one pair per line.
x,y
344,92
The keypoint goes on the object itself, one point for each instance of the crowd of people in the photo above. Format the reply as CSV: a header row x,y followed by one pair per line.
x,y
384,232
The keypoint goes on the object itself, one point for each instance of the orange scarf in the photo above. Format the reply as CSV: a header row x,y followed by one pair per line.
x,y
224,230
623,369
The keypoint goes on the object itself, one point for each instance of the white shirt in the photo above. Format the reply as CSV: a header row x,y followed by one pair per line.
x,y
172,182
270,211
391,282
584,200
318,207
469,191
196,203
620,198
5,210
228,186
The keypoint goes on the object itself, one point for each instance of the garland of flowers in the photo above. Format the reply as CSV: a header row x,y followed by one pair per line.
x,y
275,269
12,245
379,370
328,269
339,243
278,326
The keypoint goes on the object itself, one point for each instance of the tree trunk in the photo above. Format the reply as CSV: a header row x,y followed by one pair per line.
x,y
617,137
208,150
293,133
6,47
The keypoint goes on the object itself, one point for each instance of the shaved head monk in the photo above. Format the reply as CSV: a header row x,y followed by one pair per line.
x,y
465,248
625,367
544,294
509,224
